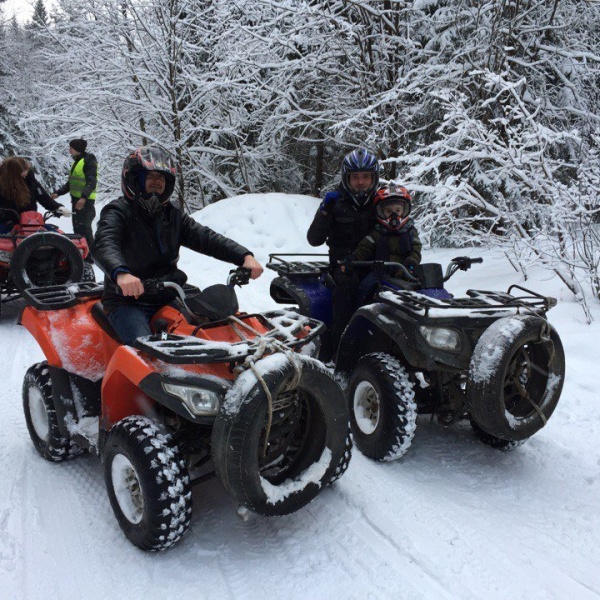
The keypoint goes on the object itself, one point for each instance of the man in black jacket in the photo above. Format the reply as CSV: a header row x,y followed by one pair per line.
x,y
139,237
343,219
82,182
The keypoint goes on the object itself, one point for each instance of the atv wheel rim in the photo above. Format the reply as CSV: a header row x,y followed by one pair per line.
x,y
526,380
127,488
366,407
39,415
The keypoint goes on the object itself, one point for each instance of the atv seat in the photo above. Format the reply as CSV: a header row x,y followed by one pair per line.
x,y
102,320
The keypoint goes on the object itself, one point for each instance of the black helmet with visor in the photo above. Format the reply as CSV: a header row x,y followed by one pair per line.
x,y
360,161
133,177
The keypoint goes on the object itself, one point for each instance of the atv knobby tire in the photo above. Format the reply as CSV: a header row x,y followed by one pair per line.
x,y
41,419
345,460
492,440
147,482
383,412
307,447
22,273
88,272
516,377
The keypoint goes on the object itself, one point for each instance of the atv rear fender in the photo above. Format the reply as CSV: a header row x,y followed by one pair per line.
x,y
69,338
309,293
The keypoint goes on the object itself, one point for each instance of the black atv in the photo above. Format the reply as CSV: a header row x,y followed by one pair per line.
x,y
490,357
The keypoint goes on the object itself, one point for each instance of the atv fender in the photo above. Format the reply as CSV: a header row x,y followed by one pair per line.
x,y
121,394
311,295
81,354
370,330
74,398
382,328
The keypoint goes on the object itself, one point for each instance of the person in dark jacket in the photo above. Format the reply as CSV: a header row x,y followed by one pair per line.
x,y
343,219
20,191
139,236
82,182
393,239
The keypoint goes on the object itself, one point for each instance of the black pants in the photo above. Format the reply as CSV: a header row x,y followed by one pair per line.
x,y
82,220
343,303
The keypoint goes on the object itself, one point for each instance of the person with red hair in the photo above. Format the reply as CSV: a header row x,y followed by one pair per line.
x,y
20,191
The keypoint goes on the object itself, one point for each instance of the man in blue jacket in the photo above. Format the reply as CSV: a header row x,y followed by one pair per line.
x,y
343,219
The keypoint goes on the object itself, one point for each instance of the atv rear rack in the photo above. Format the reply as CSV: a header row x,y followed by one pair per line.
x,y
479,303
284,326
55,297
297,268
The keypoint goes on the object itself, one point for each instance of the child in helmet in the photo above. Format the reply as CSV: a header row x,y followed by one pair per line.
x,y
394,239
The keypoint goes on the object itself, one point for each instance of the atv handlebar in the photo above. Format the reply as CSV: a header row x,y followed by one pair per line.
x,y
239,276
381,264
462,263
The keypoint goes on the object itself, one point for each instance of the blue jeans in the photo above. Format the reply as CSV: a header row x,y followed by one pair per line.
x,y
131,322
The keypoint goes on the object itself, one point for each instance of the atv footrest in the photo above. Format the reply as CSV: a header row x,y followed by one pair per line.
x,y
55,297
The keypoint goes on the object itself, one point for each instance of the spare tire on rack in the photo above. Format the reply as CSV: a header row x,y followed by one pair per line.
x,y
43,259
307,435
516,377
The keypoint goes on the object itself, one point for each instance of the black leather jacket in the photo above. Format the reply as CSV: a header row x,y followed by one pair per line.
x,y
342,228
148,247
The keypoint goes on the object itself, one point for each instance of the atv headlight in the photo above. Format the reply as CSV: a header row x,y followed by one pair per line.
x,y
200,402
5,256
441,338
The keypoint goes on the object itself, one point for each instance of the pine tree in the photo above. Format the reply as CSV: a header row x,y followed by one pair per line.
x,y
40,15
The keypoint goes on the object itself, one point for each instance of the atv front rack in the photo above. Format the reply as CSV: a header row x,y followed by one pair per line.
x,y
54,297
283,326
297,268
478,303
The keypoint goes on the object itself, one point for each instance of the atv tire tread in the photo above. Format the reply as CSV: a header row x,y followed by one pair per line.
x,y
57,447
163,477
397,423
493,441
521,350
237,435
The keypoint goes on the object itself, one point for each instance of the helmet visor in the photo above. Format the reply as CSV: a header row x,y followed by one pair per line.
x,y
393,205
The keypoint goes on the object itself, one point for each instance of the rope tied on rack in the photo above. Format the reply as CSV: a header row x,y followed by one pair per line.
x,y
269,346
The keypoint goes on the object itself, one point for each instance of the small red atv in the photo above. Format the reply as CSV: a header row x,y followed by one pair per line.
x,y
35,253
208,384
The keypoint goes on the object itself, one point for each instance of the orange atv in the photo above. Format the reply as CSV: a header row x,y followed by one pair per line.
x,y
36,253
208,384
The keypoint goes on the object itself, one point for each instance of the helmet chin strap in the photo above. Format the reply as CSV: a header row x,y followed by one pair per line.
x,y
151,203
360,198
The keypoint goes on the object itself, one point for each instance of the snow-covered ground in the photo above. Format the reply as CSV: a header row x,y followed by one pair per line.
x,y
452,519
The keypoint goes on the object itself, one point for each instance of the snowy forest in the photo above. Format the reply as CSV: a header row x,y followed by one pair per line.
x,y
486,110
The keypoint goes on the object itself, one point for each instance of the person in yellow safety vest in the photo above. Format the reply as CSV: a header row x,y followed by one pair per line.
x,y
81,184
